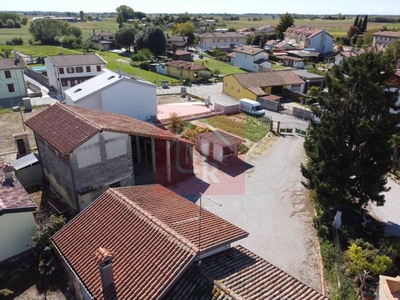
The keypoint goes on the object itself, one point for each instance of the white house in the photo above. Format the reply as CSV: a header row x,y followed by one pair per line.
x,y
249,58
17,224
307,37
222,39
115,93
384,38
65,71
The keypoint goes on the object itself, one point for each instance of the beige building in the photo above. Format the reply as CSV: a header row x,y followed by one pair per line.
x,y
384,38
389,288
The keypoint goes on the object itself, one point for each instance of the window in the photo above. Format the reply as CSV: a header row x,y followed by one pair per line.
x,y
79,69
218,40
98,68
88,69
213,40
226,84
72,83
11,88
70,70
64,83
238,90
115,184
232,40
231,87
61,70
7,74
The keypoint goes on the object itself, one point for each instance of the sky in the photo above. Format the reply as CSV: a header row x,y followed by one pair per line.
x,y
370,7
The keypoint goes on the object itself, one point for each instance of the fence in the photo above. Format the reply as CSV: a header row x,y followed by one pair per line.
x,y
38,77
290,128
298,112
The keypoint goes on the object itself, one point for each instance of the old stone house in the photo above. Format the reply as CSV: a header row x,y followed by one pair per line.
x,y
84,152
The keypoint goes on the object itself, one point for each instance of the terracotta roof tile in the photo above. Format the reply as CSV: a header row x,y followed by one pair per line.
x,y
272,78
221,138
76,60
394,34
248,50
152,232
66,127
13,196
8,64
186,65
239,274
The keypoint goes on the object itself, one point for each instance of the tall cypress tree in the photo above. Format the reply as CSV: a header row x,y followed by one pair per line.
x,y
355,21
349,149
360,21
364,24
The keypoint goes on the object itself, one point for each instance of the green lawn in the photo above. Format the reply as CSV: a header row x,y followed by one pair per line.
x,y
242,125
213,64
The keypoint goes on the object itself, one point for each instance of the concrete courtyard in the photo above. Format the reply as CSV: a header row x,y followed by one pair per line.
x,y
264,196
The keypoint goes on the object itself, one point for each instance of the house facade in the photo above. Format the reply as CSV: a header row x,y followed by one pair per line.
x,y
66,71
249,58
12,82
84,151
178,40
115,93
255,85
222,39
102,40
17,224
309,38
384,38
185,70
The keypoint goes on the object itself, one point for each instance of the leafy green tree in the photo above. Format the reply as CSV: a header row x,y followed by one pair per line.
x,y
47,30
349,150
185,29
359,41
1,24
125,37
285,22
126,12
142,55
363,259
120,20
152,38
369,37
42,244
10,23
353,30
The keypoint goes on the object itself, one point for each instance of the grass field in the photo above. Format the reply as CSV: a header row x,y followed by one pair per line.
x,y
224,68
241,125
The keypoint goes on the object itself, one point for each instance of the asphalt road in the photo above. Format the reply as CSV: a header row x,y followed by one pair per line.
x,y
269,201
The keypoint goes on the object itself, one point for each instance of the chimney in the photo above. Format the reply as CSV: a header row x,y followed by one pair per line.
x,y
398,65
103,258
7,169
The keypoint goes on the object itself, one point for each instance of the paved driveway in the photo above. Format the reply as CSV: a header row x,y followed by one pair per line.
x,y
390,212
264,196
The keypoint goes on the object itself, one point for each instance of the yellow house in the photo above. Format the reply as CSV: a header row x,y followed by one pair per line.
x,y
182,70
254,85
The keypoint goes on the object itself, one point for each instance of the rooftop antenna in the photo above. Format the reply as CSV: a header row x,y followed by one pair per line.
x,y
200,219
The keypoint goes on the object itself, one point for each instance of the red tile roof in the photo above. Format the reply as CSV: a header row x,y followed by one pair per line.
x,y
66,127
8,64
263,79
152,232
13,197
186,65
239,274
71,60
221,138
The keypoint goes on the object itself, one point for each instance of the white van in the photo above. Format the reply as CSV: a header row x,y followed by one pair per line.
x,y
251,107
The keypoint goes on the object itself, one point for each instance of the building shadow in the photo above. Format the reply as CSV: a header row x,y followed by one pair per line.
x,y
392,228
234,167
191,188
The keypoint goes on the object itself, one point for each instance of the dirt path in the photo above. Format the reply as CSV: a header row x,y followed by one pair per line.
x,y
11,123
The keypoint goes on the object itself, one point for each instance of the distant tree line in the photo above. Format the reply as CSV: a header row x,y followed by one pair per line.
x,y
383,19
11,20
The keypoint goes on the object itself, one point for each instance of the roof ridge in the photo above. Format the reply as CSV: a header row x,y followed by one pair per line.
x,y
80,116
157,221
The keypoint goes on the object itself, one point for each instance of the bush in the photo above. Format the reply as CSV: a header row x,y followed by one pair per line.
x,y
190,133
17,24
177,124
242,148
10,23
16,41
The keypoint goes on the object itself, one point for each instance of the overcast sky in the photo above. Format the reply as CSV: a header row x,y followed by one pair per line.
x,y
388,7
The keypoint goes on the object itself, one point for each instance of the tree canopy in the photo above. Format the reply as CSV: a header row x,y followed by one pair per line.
x,y
125,37
50,32
125,11
349,149
285,22
185,29
152,38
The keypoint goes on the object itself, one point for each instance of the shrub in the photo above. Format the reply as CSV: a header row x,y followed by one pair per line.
x,y
17,41
177,124
24,21
242,148
10,23
17,24
190,133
